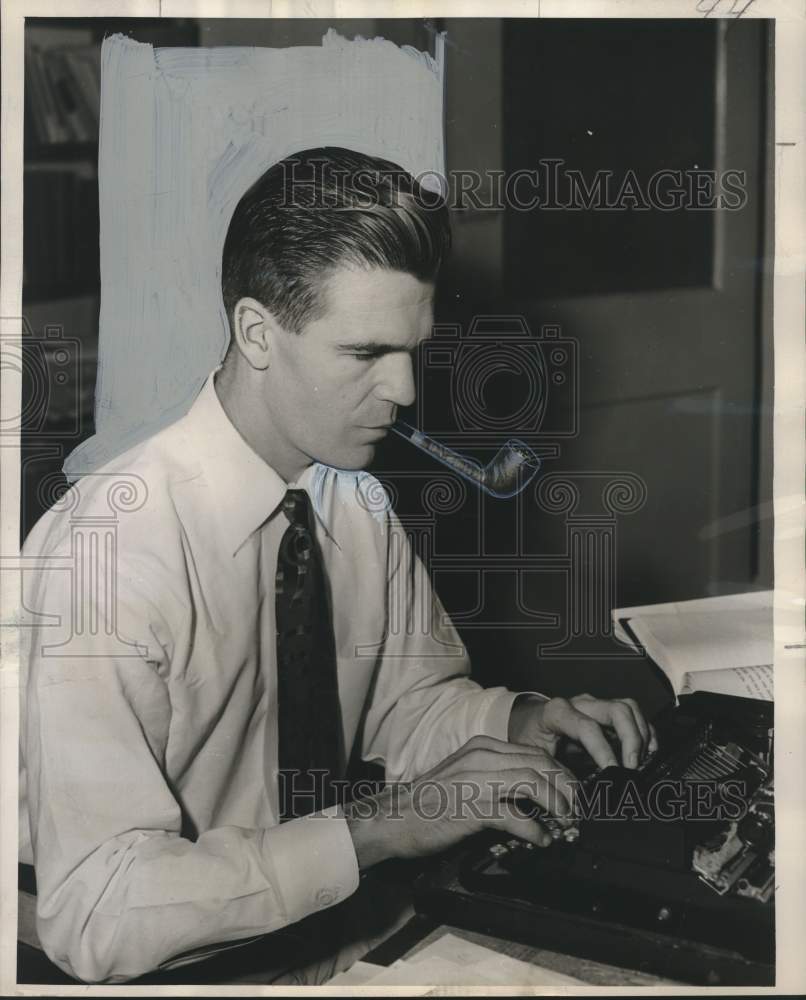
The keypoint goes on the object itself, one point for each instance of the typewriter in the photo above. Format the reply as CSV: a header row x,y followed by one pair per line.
x,y
670,870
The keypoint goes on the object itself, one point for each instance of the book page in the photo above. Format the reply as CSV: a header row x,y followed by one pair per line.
x,y
749,601
715,641
745,682
695,642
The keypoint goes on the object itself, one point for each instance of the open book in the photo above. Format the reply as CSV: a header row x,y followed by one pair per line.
x,y
720,644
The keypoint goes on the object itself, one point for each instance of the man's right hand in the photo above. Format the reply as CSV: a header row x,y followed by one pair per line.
x,y
472,789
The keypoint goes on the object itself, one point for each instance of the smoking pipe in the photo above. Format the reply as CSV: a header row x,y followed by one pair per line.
x,y
508,472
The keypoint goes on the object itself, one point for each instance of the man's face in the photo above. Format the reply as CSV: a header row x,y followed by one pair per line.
x,y
334,389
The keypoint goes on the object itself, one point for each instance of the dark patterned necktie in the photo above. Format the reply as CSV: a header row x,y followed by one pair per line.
x,y
309,717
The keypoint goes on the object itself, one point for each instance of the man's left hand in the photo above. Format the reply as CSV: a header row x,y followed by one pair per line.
x,y
584,719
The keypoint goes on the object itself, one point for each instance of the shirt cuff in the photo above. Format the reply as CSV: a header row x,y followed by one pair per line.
x,y
496,721
317,866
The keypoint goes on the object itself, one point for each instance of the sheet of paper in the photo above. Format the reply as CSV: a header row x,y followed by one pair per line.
x,y
451,961
455,949
490,964
512,972
357,975
429,973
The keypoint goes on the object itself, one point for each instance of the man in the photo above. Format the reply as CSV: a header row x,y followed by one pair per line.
x,y
257,618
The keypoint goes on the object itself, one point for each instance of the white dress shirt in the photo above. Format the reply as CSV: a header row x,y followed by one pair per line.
x,y
148,781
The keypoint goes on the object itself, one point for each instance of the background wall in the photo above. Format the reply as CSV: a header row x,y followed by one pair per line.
x,y
662,322
669,312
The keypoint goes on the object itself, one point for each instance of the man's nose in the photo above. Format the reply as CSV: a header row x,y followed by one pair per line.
x,y
396,384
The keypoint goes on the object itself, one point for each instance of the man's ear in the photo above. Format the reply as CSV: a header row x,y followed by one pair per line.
x,y
254,329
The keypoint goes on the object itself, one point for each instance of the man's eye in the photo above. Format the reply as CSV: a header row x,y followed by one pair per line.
x,y
364,356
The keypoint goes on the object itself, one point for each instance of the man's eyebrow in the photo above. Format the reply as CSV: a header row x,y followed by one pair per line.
x,y
375,347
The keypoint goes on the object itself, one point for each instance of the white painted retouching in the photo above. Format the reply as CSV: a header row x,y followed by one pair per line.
x,y
184,132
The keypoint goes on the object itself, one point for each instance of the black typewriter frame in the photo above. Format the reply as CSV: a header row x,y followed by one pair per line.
x,y
580,922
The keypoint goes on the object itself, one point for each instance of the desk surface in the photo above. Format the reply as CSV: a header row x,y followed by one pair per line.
x,y
415,935
420,932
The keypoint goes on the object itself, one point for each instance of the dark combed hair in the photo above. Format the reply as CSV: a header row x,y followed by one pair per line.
x,y
321,209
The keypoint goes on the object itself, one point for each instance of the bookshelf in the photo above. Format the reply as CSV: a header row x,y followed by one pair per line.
x,y
61,117
61,261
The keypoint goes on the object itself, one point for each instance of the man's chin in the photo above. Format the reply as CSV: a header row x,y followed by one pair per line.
x,y
353,460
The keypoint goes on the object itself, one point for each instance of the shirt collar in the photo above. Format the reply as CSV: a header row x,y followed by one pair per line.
x,y
244,489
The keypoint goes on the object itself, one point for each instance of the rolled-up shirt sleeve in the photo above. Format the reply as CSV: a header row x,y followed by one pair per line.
x,y
122,888
424,704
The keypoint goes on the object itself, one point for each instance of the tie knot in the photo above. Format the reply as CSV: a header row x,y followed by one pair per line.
x,y
297,507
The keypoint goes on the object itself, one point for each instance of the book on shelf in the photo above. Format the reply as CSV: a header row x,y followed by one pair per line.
x,y
718,644
63,84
